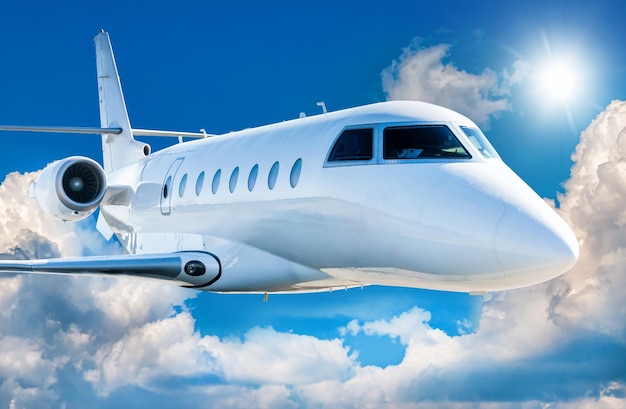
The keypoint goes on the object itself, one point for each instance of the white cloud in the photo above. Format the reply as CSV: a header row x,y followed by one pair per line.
x,y
167,347
420,74
594,206
129,303
27,363
171,347
262,397
8,295
50,322
268,356
407,326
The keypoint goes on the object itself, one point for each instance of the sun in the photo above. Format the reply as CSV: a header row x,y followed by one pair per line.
x,y
561,86
559,81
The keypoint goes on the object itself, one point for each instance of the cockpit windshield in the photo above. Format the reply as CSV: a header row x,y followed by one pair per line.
x,y
480,142
422,142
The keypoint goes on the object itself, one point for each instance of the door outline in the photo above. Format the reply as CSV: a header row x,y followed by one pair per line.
x,y
166,189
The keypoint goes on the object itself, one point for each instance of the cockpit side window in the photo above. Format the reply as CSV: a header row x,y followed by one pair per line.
x,y
422,142
479,140
353,144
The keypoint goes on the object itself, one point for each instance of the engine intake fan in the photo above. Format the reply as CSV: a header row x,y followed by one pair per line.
x,y
83,184
70,189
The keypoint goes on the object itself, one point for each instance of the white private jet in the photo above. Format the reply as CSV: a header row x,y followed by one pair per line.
x,y
396,193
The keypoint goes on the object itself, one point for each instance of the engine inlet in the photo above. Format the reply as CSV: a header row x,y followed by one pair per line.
x,y
81,183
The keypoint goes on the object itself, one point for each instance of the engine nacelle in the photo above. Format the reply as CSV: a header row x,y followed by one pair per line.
x,y
70,189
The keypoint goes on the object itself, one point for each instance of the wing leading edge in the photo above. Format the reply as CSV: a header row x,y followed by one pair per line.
x,y
191,269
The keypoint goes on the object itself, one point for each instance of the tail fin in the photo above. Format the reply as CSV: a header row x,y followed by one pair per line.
x,y
118,150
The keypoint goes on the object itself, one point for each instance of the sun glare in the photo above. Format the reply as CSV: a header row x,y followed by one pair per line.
x,y
560,84
559,81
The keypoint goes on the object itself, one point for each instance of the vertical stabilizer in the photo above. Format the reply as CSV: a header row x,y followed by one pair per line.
x,y
121,149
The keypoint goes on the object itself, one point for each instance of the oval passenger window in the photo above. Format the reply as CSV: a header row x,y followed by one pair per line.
x,y
216,181
199,183
252,178
233,180
294,176
271,179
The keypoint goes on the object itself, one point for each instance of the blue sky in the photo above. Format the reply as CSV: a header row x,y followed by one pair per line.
x,y
229,66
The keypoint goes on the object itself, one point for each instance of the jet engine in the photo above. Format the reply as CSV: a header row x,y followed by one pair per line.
x,y
70,189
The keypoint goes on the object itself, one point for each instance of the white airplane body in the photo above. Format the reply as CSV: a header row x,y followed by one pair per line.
x,y
396,193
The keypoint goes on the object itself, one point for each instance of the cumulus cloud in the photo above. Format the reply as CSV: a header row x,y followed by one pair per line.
x,y
167,347
268,356
49,324
26,362
171,347
420,74
594,205
403,326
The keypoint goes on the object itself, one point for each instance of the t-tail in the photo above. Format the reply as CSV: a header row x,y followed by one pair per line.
x,y
73,188
118,149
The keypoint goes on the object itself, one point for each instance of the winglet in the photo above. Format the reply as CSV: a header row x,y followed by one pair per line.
x,y
121,149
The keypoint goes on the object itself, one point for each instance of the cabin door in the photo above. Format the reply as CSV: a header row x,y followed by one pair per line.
x,y
167,190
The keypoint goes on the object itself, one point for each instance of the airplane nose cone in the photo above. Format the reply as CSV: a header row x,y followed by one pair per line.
x,y
534,244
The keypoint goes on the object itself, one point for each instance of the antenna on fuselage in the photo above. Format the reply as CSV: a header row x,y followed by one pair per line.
x,y
323,105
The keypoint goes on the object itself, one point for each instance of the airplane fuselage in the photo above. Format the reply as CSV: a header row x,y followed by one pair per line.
x,y
283,216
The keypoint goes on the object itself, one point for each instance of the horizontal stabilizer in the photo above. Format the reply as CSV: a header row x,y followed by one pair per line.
x,y
99,131
62,129
191,269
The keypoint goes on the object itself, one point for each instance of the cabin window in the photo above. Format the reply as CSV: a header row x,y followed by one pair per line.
x,y
216,181
182,185
480,142
252,177
232,184
271,178
294,176
353,144
199,183
422,142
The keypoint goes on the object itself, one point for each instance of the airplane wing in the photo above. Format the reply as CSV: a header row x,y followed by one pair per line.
x,y
191,269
